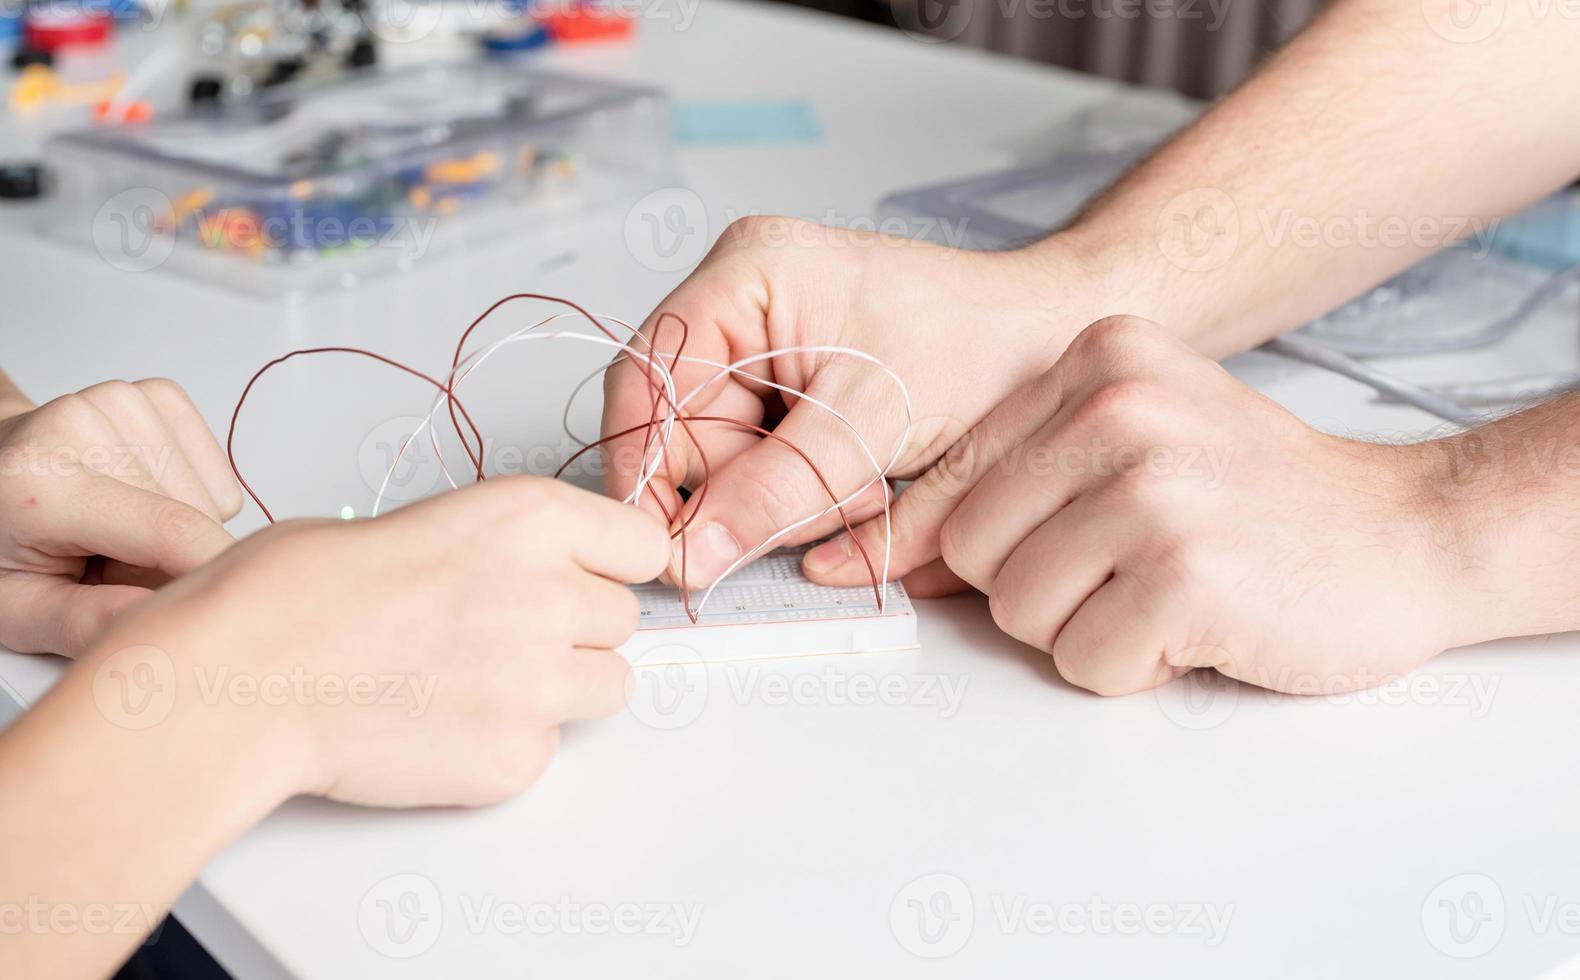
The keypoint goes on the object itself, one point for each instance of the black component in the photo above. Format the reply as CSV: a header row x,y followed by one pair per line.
x,y
363,54
25,57
283,71
207,89
21,181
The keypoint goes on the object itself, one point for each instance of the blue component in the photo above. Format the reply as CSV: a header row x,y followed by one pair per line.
x,y
516,39
10,23
1546,235
759,123
308,226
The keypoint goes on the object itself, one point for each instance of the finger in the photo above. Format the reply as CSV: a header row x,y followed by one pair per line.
x,y
582,684
615,540
632,389
1117,642
139,527
934,580
610,612
49,614
786,482
695,448
919,513
533,513
197,443
1056,569
148,450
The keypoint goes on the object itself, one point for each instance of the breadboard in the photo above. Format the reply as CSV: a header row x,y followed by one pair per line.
x,y
768,609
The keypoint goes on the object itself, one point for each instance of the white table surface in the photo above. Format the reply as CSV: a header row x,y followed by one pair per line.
x,y
800,827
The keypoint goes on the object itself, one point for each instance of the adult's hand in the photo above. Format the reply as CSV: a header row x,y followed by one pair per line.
x,y
1136,512
962,329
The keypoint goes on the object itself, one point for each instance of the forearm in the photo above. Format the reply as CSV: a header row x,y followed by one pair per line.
x,y
1508,496
112,799
1369,142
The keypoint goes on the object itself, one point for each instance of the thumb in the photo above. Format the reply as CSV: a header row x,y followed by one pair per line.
x,y
51,614
912,533
787,480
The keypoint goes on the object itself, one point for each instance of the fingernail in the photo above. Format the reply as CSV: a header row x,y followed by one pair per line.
x,y
710,549
829,555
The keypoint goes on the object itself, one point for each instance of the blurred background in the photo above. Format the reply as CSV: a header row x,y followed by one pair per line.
x,y
1199,48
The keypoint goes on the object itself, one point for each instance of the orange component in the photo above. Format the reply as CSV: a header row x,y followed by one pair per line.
x,y
236,228
462,170
136,111
571,26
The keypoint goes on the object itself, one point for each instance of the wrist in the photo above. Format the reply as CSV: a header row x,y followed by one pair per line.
x,y
1168,265
1478,530
1103,274
1055,288
189,697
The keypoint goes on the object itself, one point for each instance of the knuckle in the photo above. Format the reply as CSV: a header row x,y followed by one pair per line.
x,y
119,395
1113,335
775,492
537,501
163,389
624,611
1084,673
955,550
752,229
75,413
1004,609
175,521
230,499
1125,404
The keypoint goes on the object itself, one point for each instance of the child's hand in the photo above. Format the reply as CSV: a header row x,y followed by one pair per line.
x,y
472,624
126,472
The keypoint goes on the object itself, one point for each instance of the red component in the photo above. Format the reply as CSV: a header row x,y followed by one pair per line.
x,y
660,397
136,111
49,29
571,26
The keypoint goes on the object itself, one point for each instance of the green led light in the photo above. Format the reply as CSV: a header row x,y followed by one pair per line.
x,y
348,512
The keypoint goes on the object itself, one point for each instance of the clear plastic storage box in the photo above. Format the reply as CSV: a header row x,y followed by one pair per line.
x,y
321,186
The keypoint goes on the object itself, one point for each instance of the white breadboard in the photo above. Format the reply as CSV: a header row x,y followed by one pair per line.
x,y
769,609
